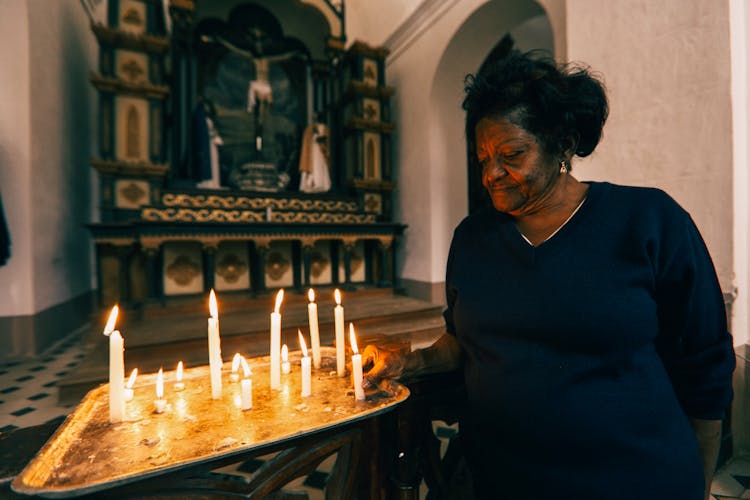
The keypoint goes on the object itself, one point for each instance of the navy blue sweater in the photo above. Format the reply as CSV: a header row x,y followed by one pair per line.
x,y
585,355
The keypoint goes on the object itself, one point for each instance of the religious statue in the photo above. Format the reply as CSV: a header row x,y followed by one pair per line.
x,y
206,142
314,159
259,91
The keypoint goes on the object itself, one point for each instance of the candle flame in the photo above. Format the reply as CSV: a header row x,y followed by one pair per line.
x,y
337,296
245,367
131,380
213,308
311,295
302,343
236,362
353,338
279,298
110,326
178,376
160,384
285,353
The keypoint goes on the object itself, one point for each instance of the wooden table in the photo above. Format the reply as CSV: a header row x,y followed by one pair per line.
x,y
169,453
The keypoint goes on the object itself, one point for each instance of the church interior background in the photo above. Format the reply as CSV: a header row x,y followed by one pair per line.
x,y
151,151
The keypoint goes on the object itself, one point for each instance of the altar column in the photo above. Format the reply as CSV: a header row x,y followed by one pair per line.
x,y
153,275
384,246
307,248
349,244
261,250
209,264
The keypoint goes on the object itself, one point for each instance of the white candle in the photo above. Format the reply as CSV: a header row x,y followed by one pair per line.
x,y
246,387
160,403
338,316
312,317
306,376
359,392
179,385
116,370
234,376
285,366
214,347
128,391
276,343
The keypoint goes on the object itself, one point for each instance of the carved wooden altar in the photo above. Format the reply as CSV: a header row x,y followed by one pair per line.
x,y
201,182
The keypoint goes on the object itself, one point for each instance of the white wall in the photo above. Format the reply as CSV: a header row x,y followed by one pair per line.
x,y
666,65
16,295
46,132
431,54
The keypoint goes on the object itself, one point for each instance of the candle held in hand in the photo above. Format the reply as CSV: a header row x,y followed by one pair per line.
x,y
214,347
275,353
359,392
306,370
116,369
312,317
338,317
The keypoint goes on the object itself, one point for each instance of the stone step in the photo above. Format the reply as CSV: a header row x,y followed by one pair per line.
x,y
162,341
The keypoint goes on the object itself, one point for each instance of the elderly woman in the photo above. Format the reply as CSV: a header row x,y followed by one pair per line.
x,y
586,316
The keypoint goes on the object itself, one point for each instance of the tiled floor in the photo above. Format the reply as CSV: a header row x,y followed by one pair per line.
x,y
28,396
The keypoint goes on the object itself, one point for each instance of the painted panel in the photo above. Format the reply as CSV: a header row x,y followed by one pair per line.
x,y
131,67
132,16
232,267
131,194
320,264
279,265
371,109
183,268
131,128
371,156
370,71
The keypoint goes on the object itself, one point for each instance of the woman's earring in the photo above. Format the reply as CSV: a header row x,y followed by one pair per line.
x,y
563,167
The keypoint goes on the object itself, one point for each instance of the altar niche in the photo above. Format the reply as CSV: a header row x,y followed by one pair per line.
x,y
254,101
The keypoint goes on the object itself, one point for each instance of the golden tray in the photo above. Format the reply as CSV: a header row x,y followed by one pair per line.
x,y
88,454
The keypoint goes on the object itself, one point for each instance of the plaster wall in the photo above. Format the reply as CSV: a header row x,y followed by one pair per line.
x,y
16,296
62,53
667,69
428,70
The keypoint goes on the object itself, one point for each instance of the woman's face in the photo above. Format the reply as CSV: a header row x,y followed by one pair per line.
x,y
517,173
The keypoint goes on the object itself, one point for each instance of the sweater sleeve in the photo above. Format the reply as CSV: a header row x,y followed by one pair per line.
x,y
450,291
693,340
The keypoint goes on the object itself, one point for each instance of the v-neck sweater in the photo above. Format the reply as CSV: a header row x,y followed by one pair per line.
x,y
585,354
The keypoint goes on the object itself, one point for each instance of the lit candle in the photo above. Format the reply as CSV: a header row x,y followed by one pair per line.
x,y
128,392
214,347
234,376
312,316
179,384
338,316
359,392
285,367
246,386
306,386
276,342
116,369
160,403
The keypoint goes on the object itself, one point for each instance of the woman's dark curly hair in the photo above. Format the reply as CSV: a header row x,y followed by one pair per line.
x,y
555,103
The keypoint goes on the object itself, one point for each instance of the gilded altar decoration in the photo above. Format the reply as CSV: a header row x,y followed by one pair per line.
x,y
276,265
245,216
132,16
183,270
318,264
231,268
133,193
218,201
132,70
373,203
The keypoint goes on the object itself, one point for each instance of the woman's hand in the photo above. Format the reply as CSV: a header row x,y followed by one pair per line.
x,y
381,363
